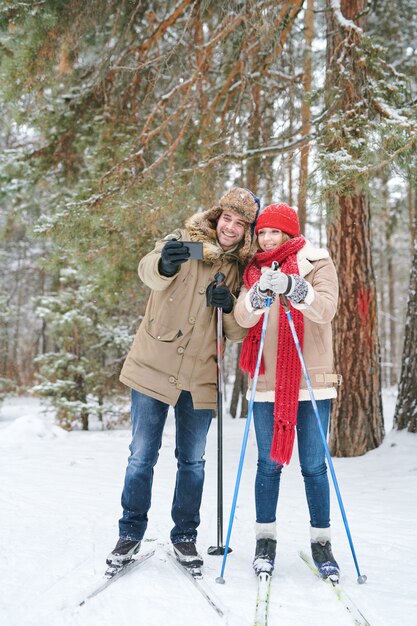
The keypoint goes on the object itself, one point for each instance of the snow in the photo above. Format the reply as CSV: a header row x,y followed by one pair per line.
x,y
60,495
348,24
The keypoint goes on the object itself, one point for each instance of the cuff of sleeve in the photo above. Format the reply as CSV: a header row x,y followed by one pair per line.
x,y
249,306
164,273
254,303
308,299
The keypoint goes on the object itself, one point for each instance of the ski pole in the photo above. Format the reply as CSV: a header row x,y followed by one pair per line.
x,y
220,579
361,577
219,549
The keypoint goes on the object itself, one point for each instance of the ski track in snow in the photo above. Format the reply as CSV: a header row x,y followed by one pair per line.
x,y
60,503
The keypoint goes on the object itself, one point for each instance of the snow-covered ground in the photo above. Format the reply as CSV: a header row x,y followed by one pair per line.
x,y
60,502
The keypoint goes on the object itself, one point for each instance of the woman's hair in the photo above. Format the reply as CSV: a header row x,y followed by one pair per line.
x,y
285,237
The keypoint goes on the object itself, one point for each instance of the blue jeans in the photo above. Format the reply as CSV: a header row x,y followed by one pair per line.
x,y
312,462
148,421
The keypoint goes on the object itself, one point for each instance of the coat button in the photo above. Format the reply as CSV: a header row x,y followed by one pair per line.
x,y
179,385
191,320
171,379
202,290
180,350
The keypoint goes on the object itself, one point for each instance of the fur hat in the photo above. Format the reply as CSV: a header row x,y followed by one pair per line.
x,y
241,201
202,226
280,216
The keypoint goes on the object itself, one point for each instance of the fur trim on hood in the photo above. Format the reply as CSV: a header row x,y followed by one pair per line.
x,y
202,226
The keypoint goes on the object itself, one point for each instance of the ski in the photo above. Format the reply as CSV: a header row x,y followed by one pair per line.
x,y
196,579
358,618
109,579
262,599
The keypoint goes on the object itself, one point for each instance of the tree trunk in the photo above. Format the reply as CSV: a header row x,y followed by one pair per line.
x,y
392,379
357,422
357,413
390,347
305,114
406,409
291,115
412,210
383,306
240,388
252,176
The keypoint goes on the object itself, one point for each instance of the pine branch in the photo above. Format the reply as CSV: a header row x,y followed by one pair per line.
x,y
254,153
381,164
162,27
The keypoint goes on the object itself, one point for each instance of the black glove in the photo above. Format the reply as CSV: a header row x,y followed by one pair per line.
x,y
219,296
172,255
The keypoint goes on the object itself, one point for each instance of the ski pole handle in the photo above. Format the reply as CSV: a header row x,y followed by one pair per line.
x,y
219,278
274,266
284,299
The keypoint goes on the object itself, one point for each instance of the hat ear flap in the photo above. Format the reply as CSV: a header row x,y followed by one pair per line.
x,y
252,226
258,202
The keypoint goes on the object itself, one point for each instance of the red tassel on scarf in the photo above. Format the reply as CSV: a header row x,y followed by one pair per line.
x,y
250,349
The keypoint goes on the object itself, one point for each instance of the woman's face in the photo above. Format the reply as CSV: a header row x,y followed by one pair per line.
x,y
270,238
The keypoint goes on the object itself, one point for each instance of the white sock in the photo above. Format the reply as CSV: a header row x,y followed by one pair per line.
x,y
320,535
266,531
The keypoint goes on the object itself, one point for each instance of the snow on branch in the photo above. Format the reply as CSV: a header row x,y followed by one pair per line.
x,y
342,20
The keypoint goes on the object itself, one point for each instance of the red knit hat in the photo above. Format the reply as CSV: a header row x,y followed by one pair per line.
x,y
279,216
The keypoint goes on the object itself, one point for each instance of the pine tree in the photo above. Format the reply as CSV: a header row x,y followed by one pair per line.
x,y
357,424
87,350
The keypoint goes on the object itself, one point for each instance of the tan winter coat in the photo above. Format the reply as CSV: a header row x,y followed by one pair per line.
x,y
175,345
318,309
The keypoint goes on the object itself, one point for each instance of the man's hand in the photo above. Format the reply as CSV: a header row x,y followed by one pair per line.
x,y
219,295
172,255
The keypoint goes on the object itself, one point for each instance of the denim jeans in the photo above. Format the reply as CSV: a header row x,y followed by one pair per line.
x,y
312,462
148,420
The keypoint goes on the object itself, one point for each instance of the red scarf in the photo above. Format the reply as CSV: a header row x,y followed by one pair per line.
x,y
288,367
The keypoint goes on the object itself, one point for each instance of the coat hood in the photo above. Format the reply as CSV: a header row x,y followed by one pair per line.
x,y
202,226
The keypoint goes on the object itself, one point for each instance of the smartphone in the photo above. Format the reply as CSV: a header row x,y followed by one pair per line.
x,y
195,248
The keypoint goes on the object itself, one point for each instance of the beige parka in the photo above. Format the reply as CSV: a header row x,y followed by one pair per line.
x,y
175,346
319,308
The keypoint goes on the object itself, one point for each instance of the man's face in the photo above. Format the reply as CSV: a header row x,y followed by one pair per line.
x,y
230,229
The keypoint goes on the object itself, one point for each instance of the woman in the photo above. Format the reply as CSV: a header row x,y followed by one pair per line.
x,y
282,406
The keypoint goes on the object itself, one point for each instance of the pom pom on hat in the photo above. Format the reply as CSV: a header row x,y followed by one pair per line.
x,y
280,216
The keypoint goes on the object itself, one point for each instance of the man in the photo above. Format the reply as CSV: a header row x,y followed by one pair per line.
x,y
172,362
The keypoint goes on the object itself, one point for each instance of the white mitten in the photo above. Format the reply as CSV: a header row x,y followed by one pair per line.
x,y
280,282
264,283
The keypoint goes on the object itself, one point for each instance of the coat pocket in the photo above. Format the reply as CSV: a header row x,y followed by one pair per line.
x,y
161,332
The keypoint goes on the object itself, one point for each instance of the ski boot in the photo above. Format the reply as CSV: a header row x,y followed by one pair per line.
x,y
324,561
187,555
264,555
122,554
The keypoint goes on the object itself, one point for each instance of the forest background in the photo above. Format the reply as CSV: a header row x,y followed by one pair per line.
x,y
120,118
